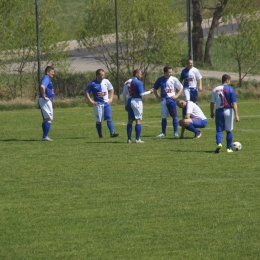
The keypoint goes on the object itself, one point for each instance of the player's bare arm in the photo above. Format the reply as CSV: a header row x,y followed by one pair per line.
x,y
235,111
200,85
111,96
178,92
156,95
90,99
42,90
212,115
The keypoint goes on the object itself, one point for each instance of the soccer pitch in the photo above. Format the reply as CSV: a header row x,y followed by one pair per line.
x,y
81,197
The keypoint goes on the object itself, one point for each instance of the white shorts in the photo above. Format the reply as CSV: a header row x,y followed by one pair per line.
x,y
102,112
229,119
164,109
46,108
137,107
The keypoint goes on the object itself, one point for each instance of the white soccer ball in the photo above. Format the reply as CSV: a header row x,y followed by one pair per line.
x,y
236,146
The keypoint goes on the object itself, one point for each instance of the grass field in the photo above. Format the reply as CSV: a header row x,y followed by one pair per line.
x,y
80,197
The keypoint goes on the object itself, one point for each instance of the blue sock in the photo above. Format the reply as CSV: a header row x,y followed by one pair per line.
x,y
175,123
129,131
191,128
219,137
138,130
46,126
99,129
110,126
229,138
164,124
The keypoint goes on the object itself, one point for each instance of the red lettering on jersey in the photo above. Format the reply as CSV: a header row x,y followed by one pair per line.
x,y
99,94
104,93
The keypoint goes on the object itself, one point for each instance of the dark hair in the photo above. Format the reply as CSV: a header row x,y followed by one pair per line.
x,y
135,72
48,69
225,77
166,68
98,71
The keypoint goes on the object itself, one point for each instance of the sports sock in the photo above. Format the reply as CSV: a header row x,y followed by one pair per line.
x,y
129,131
110,126
219,137
164,125
191,128
138,130
99,129
46,126
175,124
229,138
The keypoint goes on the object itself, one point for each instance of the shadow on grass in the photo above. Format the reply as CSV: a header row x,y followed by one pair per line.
x,y
19,140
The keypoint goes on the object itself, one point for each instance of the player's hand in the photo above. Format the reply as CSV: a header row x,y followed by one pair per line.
x,y
237,118
212,115
126,108
181,137
200,88
151,90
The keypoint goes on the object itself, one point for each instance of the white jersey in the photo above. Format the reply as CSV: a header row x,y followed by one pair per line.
x,y
190,77
168,86
195,111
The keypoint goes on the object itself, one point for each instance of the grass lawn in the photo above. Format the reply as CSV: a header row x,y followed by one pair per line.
x,y
80,197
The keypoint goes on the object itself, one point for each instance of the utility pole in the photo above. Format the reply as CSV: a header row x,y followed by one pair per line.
x,y
38,41
117,50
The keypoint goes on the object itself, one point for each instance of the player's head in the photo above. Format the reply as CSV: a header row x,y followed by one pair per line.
x,y
167,71
189,63
49,70
226,79
100,74
137,73
181,103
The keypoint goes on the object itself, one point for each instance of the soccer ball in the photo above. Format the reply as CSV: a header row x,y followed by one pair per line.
x,y
236,146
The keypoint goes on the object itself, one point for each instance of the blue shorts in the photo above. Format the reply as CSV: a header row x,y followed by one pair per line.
x,y
199,123
191,95
172,108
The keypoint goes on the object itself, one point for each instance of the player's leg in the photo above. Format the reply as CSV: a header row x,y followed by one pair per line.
x,y
108,117
194,95
164,115
172,109
220,127
99,117
229,124
47,115
131,118
137,107
190,127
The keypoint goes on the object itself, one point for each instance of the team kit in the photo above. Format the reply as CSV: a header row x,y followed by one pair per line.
x,y
167,90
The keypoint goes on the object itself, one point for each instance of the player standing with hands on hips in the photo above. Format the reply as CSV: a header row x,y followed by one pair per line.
x,y
46,97
168,96
226,106
103,94
192,82
134,91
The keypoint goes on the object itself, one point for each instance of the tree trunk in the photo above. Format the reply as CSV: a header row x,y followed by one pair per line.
x,y
215,22
197,31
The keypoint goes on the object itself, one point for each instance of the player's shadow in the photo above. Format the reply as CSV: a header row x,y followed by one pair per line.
x,y
20,140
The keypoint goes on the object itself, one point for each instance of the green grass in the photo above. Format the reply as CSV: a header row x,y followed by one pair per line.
x,y
80,197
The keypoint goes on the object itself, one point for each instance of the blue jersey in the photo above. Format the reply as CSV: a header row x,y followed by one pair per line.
x,y
134,87
223,96
49,89
99,90
168,86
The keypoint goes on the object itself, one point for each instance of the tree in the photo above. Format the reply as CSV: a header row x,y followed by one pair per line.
x,y
243,44
217,14
148,35
197,31
18,43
